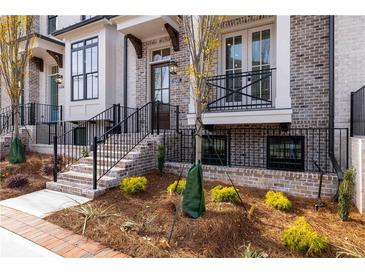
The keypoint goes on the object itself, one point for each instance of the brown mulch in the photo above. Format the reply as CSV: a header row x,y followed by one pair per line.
x,y
31,168
220,232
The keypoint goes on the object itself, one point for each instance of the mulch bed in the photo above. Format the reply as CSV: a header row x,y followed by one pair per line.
x,y
31,168
221,232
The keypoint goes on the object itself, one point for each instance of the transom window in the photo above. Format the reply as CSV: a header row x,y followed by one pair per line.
x,y
85,70
285,152
52,23
161,55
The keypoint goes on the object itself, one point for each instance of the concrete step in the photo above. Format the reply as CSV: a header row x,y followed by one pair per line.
x,y
87,178
75,188
125,162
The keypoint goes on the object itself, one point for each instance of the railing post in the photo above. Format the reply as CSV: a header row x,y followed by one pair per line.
x,y
177,118
158,118
55,159
60,118
137,114
152,117
95,148
351,114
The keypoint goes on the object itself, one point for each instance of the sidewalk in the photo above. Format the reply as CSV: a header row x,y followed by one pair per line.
x,y
52,237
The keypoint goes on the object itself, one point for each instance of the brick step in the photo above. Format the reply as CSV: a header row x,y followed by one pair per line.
x,y
87,178
88,168
76,188
100,161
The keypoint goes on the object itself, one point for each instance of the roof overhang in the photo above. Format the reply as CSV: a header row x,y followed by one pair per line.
x,y
82,26
145,26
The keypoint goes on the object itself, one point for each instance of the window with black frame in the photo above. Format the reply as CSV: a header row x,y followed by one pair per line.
x,y
52,23
214,150
285,152
85,74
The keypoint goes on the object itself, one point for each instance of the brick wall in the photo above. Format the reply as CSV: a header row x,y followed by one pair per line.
x,y
295,183
179,83
349,64
309,70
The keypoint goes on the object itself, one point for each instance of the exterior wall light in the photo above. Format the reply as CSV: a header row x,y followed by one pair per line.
x,y
59,79
173,67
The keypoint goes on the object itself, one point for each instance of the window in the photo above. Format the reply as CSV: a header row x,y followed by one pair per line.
x,y
52,23
214,150
85,70
161,55
285,152
86,17
234,67
260,44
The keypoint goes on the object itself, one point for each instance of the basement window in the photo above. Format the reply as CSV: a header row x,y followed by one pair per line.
x,y
214,150
285,153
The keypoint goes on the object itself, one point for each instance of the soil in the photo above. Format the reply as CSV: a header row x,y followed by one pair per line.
x,y
221,232
31,168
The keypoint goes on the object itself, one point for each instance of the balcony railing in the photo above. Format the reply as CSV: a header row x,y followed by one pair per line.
x,y
242,91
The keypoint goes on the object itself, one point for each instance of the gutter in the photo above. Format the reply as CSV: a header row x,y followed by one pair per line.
x,y
125,76
331,61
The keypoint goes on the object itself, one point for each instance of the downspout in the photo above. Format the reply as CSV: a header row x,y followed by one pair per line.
x,y
331,120
125,77
331,61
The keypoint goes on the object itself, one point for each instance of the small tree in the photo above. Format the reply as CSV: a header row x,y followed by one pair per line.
x,y
345,194
202,35
15,40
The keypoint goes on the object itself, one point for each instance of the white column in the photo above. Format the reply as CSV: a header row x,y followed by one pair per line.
x,y
282,62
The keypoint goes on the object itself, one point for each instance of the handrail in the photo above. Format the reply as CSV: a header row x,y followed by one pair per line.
x,y
75,142
115,144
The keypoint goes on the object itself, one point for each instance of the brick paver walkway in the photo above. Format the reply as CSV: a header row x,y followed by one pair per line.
x,y
59,240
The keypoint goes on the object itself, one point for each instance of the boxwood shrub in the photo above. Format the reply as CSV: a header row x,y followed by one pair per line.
x,y
181,184
301,236
278,200
222,194
133,185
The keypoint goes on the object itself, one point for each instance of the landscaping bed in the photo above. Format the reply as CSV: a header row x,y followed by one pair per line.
x,y
31,169
138,225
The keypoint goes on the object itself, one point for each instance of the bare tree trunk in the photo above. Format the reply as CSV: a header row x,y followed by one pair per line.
x,y
198,136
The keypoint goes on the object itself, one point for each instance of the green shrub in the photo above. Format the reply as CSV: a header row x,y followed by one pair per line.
x,y
161,157
133,185
278,200
179,188
345,194
301,236
222,194
84,152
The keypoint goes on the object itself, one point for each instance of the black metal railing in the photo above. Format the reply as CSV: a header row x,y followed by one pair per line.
x,y
253,147
30,114
75,138
241,91
357,126
112,146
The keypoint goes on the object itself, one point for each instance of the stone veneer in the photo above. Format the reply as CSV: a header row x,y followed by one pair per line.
x,y
296,183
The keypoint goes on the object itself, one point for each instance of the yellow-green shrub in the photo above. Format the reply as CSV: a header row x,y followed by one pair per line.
x,y
301,236
345,194
181,184
222,194
278,200
133,185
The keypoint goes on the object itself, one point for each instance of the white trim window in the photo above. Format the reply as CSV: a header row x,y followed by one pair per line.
x,y
245,51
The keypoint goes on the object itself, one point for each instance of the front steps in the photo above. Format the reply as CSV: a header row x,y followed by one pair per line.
x,y
77,179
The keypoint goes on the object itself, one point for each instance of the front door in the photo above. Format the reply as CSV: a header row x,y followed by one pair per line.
x,y
54,99
160,92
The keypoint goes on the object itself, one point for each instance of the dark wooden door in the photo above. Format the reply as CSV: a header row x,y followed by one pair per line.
x,y
160,91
